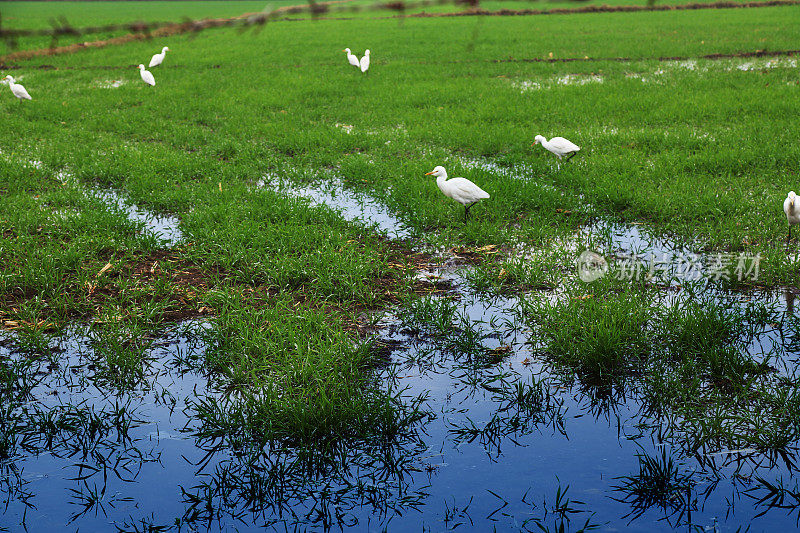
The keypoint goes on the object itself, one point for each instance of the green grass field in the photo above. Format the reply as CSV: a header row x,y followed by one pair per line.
x,y
38,14
34,15
696,150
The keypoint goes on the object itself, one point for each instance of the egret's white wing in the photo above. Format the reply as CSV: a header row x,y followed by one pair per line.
x,y
563,145
148,78
364,63
20,92
156,60
465,191
353,60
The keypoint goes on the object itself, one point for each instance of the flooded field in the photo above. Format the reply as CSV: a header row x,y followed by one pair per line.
x,y
504,433
237,300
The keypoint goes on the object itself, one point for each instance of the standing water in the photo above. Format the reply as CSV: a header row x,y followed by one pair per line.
x,y
506,437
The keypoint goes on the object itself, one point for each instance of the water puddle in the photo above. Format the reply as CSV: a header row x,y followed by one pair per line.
x,y
579,79
630,252
506,444
657,74
164,228
347,128
756,64
762,63
526,85
353,206
109,84
520,172
78,450
562,80
632,249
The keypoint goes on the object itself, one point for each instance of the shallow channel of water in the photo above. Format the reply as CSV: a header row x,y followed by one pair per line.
x,y
165,228
351,205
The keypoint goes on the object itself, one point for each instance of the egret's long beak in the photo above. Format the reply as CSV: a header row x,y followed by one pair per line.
x,y
535,143
429,173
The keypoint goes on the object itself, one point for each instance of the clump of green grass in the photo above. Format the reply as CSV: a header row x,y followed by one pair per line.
x,y
432,315
695,326
294,375
603,338
452,329
121,355
514,275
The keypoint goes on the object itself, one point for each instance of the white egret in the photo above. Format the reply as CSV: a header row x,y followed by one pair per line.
x,y
558,145
147,77
353,60
792,211
17,89
365,61
461,190
159,58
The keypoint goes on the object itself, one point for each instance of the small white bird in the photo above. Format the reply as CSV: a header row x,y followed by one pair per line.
x,y
792,211
365,61
461,190
558,145
353,60
17,89
158,58
147,77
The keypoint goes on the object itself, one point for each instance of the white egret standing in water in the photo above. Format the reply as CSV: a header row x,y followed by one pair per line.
x,y
17,89
158,58
558,145
461,190
147,77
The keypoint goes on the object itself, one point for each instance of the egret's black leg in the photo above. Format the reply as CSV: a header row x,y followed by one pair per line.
x,y
789,238
571,155
466,211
